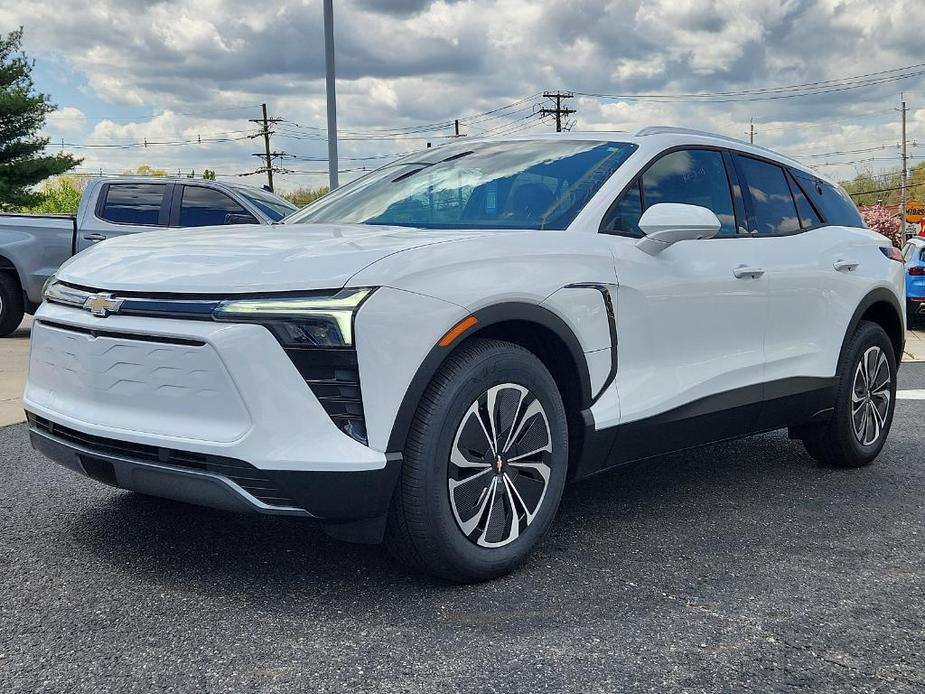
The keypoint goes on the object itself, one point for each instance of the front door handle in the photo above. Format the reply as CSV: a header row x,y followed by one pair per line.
x,y
748,272
845,265
95,238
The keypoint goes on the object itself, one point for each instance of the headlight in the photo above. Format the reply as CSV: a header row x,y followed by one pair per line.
x,y
59,293
300,321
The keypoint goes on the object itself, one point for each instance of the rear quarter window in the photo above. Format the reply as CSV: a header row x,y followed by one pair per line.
x,y
834,204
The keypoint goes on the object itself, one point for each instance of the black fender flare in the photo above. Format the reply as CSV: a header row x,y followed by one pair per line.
x,y
487,317
875,296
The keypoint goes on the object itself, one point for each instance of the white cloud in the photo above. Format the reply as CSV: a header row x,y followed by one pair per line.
x,y
66,120
405,62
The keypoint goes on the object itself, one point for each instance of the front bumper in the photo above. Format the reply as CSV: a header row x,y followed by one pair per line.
x,y
177,408
352,505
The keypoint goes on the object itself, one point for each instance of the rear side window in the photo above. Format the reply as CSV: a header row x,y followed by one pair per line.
x,y
831,201
773,210
133,203
808,216
201,207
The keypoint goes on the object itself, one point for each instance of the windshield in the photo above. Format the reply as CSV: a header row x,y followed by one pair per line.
x,y
527,184
271,205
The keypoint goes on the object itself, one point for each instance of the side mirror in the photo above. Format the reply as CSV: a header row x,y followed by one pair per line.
x,y
669,222
235,218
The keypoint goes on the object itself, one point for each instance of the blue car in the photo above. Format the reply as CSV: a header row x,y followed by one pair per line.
x,y
914,254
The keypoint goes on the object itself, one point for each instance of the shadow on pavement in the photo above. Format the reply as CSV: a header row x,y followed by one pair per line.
x,y
670,507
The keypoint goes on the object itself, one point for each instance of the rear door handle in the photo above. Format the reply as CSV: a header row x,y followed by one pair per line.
x,y
845,265
748,272
95,237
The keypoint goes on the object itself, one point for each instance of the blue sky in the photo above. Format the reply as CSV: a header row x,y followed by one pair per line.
x,y
174,71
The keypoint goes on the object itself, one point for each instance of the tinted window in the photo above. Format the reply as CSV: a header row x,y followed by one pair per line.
x,y
624,217
808,216
694,177
133,203
526,184
773,209
205,207
831,201
273,206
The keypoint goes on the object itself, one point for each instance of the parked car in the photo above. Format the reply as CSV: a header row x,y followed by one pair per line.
x,y
33,246
914,260
428,354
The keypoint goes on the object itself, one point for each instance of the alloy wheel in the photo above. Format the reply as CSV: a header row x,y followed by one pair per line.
x,y
870,396
499,470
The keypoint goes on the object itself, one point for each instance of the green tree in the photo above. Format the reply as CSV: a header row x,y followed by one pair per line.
x,y
145,170
209,175
303,195
23,163
60,195
885,186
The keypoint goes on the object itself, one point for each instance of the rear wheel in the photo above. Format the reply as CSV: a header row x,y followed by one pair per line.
x,y
484,466
11,304
864,404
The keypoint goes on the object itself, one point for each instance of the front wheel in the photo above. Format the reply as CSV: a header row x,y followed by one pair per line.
x,y
484,466
864,405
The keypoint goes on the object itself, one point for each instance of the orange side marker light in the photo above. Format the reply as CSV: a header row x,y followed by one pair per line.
x,y
457,330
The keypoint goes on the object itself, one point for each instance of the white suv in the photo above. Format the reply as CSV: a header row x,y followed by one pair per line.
x,y
430,353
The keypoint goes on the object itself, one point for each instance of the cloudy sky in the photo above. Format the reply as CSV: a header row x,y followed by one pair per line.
x,y
128,71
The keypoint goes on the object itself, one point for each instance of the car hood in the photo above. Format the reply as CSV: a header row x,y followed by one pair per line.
x,y
243,258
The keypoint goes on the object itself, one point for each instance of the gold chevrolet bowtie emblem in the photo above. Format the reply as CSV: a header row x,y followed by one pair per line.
x,y
101,305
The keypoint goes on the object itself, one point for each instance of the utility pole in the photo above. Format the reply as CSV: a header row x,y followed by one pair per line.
x,y
558,111
751,131
329,90
903,181
267,155
456,126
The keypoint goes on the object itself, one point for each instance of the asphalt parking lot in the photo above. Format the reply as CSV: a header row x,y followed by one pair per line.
x,y
741,567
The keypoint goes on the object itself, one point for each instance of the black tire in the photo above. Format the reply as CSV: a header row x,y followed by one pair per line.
x,y
11,304
911,317
425,529
837,443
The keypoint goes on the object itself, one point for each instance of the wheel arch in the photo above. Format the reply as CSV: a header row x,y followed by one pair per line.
x,y
882,307
534,327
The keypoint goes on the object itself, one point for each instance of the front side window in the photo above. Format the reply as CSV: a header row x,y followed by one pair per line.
x,y
133,203
526,184
200,207
773,209
623,218
693,177
273,206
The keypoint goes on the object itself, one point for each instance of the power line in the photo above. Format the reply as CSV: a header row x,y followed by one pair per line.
x,y
774,93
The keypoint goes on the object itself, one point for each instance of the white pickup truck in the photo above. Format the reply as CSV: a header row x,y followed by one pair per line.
x,y
32,247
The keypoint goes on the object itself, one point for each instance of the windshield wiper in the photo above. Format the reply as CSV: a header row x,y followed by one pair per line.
x,y
426,165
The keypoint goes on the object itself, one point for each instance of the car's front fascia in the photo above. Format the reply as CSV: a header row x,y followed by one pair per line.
x,y
241,402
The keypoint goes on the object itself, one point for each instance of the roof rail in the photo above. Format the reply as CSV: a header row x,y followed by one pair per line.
x,y
671,130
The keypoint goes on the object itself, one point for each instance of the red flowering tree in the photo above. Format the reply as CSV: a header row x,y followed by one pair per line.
x,y
884,220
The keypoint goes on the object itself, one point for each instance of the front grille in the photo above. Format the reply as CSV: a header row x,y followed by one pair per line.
x,y
334,377
245,475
